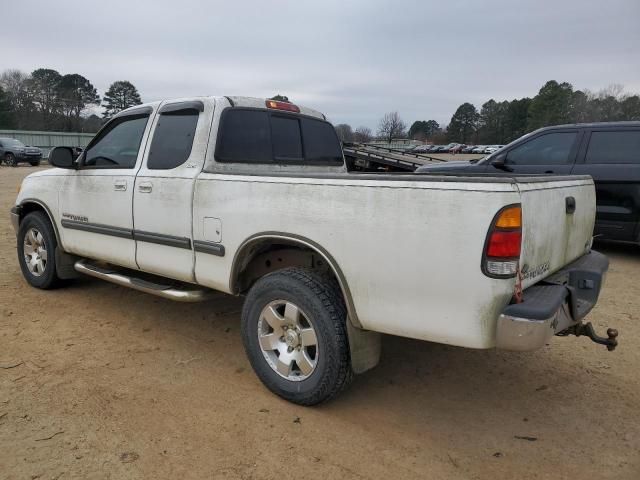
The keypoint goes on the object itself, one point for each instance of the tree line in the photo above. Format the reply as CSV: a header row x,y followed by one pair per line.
x,y
500,122
48,100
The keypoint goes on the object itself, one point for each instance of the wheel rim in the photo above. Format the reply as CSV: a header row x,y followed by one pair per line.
x,y
288,340
35,252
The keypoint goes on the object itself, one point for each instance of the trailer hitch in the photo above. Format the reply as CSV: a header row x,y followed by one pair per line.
x,y
587,329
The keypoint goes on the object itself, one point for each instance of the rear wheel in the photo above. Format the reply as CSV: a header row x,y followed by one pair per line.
x,y
35,163
36,251
10,159
294,333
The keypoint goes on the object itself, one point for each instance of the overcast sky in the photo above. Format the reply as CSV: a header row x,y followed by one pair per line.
x,y
353,60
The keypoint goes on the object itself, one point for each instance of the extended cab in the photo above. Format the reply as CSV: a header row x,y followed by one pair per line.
x,y
252,197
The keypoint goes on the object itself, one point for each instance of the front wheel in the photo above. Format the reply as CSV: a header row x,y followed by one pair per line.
x,y
295,335
35,163
36,251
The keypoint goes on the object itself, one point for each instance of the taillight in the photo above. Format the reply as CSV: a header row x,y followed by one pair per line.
x,y
504,240
286,106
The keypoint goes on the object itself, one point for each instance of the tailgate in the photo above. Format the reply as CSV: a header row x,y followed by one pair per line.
x,y
558,216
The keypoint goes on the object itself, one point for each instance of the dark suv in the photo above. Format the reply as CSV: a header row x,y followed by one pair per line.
x,y
609,152
13,151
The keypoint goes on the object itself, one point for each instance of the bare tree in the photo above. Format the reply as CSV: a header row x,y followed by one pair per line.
x,y
391,126
15,84
344,131
363,135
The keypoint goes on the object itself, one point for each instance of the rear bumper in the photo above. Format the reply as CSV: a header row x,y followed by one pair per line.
x,y
553,305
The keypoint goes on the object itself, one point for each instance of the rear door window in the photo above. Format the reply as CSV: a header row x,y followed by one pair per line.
x,y
606,147
549,149
172,139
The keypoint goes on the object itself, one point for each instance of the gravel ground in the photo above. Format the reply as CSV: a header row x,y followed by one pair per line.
x,y
98,381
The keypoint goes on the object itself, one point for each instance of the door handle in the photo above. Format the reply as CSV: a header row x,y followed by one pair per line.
x,y
120,185
145,187
549,171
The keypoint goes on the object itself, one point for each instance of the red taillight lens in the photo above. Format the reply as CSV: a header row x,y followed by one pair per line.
x,y
504,241
504,244
278,105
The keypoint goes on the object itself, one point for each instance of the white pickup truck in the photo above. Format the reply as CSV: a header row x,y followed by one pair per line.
x,y
252,197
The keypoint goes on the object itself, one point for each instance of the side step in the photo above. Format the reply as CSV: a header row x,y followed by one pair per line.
x,y
180,293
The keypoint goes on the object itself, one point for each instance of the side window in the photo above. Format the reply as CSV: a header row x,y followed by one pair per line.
x,y
286,138
614,147
118,145
550,149
245,136
172,139
321,143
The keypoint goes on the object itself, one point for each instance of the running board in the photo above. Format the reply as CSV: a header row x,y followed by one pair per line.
x,y
183,293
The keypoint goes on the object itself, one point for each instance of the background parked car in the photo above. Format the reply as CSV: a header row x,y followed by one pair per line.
x,y
468,149
479,149
493,148
609,152
13,151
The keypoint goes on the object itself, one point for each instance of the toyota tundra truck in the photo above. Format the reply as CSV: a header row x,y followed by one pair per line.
x,y
252,197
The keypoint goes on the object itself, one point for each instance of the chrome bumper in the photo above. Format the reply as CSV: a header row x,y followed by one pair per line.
x,y
15,219
523,334
553,305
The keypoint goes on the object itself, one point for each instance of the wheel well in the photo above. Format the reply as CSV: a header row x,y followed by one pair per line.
x,y
266,257
262,255
267,253
28,206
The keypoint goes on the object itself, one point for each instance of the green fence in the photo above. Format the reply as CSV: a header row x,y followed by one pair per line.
x,y
47,140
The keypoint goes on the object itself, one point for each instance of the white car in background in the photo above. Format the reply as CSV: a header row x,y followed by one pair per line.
x,y
492,148
479,149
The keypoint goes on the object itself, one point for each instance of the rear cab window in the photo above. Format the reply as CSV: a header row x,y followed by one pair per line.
x,y
248,135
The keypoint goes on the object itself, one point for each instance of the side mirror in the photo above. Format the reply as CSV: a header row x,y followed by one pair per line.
x,y
62,157
500,163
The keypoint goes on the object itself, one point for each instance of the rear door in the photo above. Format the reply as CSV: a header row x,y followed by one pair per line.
x,y
611,155
163,194
552,152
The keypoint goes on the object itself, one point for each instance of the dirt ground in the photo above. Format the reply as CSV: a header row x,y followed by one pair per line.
x,y
98,381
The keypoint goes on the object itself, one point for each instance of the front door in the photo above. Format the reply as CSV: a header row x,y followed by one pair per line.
x,y
96,200
551,153
163,196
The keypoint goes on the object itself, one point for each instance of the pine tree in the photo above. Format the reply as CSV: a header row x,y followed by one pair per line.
x,y
121,95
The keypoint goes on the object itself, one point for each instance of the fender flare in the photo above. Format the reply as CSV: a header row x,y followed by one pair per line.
x,y
293,239
44,207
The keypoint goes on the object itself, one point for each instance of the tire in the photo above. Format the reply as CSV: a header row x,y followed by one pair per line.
x,y
36,251
35,163
10,160
321,308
